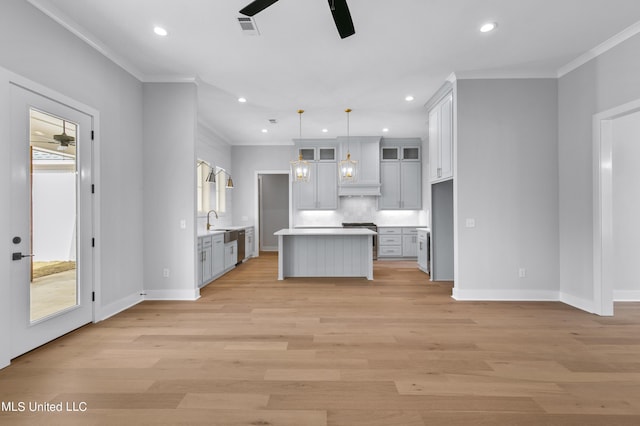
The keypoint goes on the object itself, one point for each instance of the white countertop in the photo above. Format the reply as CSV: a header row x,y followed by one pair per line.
x,y
424,229
325,231
220,230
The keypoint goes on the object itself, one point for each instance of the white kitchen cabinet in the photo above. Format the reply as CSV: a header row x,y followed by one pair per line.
x,y
410,186
389,242
217,255
249,242
441,140
205,267
397,242
230,254
409,242
210,258
390,188
321,192
423,250
200,258
401,179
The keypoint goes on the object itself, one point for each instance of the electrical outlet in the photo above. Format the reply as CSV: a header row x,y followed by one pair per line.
x,y
165,272
183,224
522,272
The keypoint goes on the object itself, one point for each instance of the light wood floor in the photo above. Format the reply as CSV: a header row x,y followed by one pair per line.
x,y
306,352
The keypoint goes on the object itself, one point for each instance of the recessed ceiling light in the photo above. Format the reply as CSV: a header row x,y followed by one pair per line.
x,y
385,130
489,26
325,130
409,98
160,31
265,131
242,100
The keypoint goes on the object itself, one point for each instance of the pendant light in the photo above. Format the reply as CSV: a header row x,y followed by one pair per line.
x,y
300,168
347,169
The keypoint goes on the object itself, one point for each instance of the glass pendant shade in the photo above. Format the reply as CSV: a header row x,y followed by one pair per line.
x,y
300,171
347,169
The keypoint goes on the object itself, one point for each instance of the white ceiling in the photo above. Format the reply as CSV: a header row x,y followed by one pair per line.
x,y
401,47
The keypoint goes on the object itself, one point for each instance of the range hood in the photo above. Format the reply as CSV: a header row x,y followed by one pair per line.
x,y
356,190
366,151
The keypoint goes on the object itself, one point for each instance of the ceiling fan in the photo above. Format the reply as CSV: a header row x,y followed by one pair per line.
x,y
339,10
63,139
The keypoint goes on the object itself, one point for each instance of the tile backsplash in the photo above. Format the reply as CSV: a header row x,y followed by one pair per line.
x,y
360,209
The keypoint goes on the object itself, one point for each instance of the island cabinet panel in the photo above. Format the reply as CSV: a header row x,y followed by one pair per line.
x,y
323,256
324,252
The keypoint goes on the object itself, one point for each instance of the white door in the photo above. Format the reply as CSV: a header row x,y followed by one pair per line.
x,y
51,220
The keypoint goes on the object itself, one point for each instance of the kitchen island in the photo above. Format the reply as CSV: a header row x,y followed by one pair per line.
x,y
325,252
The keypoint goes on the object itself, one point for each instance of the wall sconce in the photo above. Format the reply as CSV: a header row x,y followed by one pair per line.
x,y
211,177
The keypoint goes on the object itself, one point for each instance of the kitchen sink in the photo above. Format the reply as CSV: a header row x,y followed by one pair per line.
x,y
230,235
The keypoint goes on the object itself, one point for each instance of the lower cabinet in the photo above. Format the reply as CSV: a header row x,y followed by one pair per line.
x,y
230,254
397,242
205,272
211,257
423,250
249,242
218,255
409,242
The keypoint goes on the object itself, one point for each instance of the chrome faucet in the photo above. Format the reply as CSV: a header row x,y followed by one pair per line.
x,y
209,226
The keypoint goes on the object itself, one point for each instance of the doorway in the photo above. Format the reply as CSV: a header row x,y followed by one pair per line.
x,y
626,207
606,133
273,208
51,219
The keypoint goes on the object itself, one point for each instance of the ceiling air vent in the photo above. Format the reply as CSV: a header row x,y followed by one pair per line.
x,y
248,25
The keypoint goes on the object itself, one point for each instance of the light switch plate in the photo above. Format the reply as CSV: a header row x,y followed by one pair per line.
x,y
470,223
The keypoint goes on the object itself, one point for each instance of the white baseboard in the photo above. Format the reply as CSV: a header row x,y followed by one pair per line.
x,y
193,294
626,295
118,306
506,295
578,302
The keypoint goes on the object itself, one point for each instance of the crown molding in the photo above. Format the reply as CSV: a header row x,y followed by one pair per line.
x,y
501,75
85,35
599,49
172,79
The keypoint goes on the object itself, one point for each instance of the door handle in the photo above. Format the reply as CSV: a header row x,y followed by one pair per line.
x,y
20,256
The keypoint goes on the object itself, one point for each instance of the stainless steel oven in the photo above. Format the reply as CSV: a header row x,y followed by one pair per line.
x,y
366,225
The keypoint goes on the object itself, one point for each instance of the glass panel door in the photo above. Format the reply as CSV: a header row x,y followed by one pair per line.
x,y
54,285
51,215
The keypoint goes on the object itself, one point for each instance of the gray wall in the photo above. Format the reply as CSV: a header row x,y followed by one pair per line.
x,y
34,46
170,122
626,206
610,80
246,160
507,180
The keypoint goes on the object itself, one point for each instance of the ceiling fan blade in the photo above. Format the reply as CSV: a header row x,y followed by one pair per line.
x,y
256,6
342,18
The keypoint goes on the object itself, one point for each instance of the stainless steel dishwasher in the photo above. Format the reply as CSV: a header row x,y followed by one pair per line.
x,y
241,242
